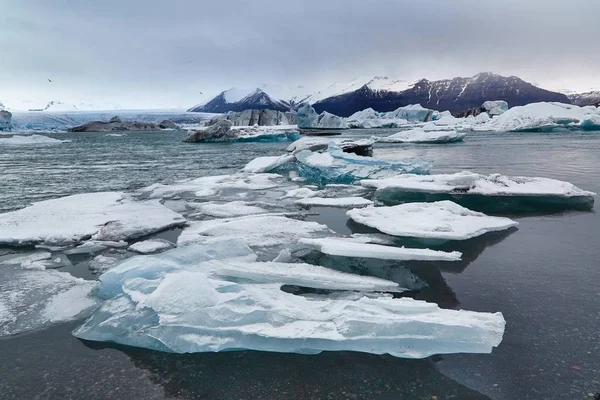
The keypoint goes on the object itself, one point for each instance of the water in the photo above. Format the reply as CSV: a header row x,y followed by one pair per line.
x,y
544,277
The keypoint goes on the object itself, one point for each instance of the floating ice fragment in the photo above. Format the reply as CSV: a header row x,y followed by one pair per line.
x,y
150,246
347,202
22,140
228,210
268,163
440,220
422,136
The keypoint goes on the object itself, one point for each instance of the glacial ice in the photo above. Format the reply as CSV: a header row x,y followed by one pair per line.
x,y
346,247
31,300
257,230
495,107
110,216
281,133
227,210
369,119
150,246
267,163
347,202
442,220
22,140
302,193
309,119
490,193
315,143
335,166
329,121
185,306
95,246
422,136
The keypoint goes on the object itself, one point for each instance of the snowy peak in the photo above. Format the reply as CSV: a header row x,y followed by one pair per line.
x,y
586,99
240,100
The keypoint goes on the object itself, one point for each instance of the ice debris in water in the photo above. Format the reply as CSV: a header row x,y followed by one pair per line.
x,y
22,140
95,246
28,261
227,210
335,166
110,216
422,136
175,302
493,192
348,202
150,246
31,300
439,220
302,193
346,247
257,230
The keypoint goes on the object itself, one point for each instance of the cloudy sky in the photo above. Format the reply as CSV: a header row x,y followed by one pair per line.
x,y
157,53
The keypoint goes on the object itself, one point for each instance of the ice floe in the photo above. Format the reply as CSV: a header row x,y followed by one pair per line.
x,y
422,136
31,300
150,246
23,140
334,202
226,210
110,216
443,220
351,248
173,302
493,192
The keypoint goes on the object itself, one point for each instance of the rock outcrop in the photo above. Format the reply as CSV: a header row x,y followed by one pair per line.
x,y
115,124
257,117
220,131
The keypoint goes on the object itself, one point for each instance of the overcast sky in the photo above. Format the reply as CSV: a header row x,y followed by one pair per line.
x,y
157,53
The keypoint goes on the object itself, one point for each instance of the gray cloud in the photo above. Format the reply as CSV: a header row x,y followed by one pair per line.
x,y
157,53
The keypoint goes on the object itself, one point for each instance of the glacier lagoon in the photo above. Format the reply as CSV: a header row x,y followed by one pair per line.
x,y
545,270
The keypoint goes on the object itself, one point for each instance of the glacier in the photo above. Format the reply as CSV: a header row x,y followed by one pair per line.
x,y
487,193
175,302
441,220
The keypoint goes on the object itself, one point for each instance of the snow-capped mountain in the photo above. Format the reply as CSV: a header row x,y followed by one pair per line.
x,y
240,100
455,95
586,99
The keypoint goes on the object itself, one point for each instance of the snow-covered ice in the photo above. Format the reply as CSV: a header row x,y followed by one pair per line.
x,y
31,300
22,140
110,216
150,246
302,192
95,246
422,136
509,193
267,163
334,202
227,210
443,220
315,143
256,230
346,247
186,306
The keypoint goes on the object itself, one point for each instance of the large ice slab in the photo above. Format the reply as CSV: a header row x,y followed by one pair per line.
x,y
316,143
22,140
228,210
335,166
108,216
31,300
422,136
232,305
492,193
348,202
257,230
351,248
267,163
443,220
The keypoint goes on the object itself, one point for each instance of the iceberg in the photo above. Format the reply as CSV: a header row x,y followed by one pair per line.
x,y
412,113
346,247
335,166
227,210
360,146
487,193
495,107
541,117
109,216
443,220
370,119
23,140
5,118
266,230
422,136
347,202
223,131
268,163
150,246
309,119
31,300
187,306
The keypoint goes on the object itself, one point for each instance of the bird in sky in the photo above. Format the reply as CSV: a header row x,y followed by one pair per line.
x,y
49,80
200,92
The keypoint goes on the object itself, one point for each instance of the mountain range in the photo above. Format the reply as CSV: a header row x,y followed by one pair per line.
x,y
386,94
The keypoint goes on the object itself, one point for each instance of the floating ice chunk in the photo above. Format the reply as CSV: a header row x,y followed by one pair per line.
x,y
31,300
335,166
105,216
315,143
483,192
28,261
284,256
539,117
151,246
257,231
591,122
22,140
219,306
495,107
334,202
95,246
303,192
369,118
227,210
440,220
179,259
374,238
329,121
421,136
208,186
268,163
102,263
350,248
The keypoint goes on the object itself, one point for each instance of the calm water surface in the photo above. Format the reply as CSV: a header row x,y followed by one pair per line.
x,y
544,277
